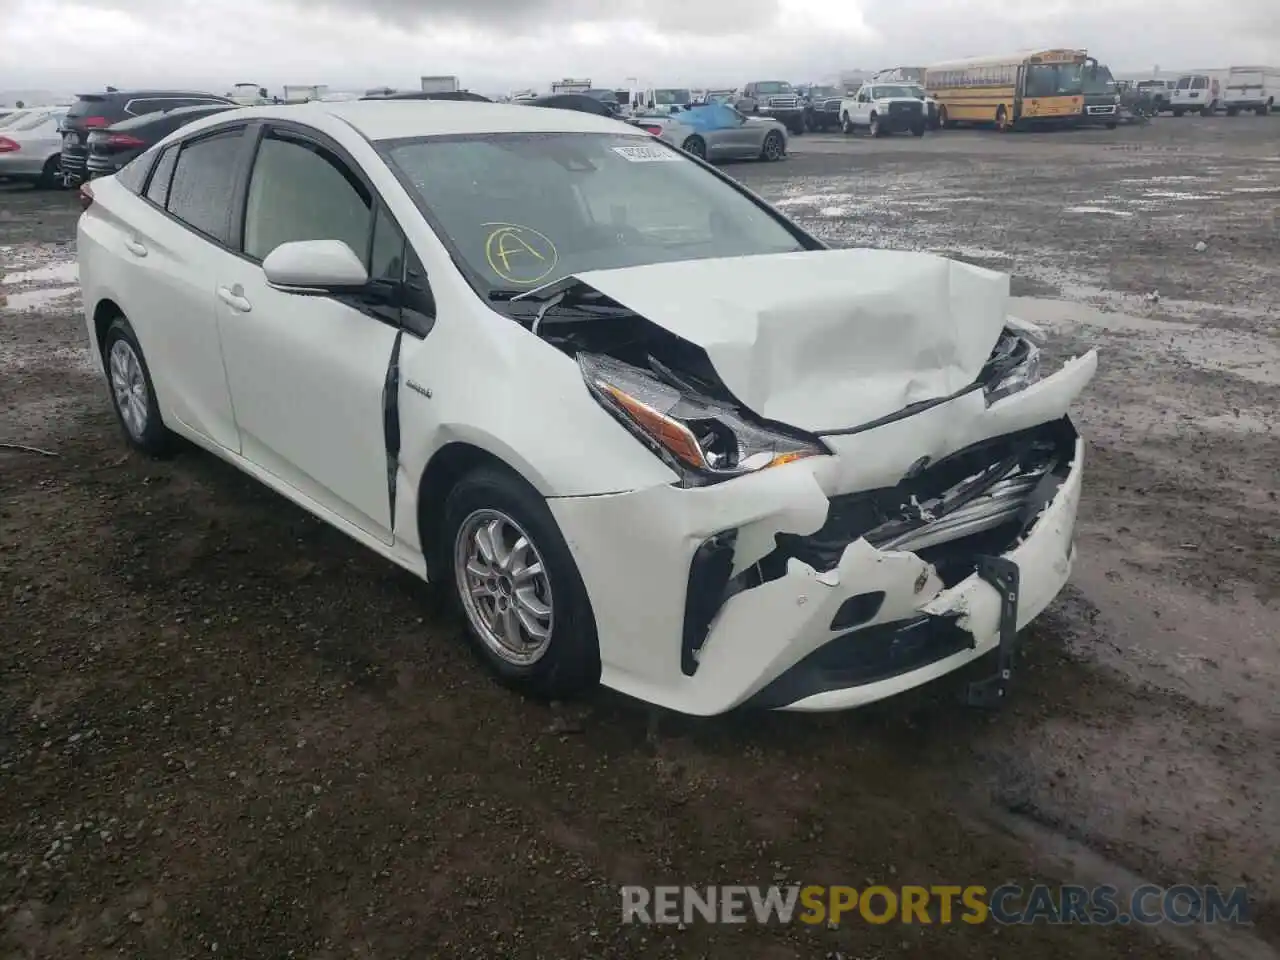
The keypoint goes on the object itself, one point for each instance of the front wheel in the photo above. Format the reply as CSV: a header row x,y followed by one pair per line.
x,y
1111,125
773,147
917,130
875,129
1002,120
526,608
1178,113
944,121
133,394
1263,110
846,125
1232,111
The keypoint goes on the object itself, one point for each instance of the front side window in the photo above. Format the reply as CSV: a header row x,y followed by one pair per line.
x,y
521,210
300,191
1184,83
202,182
1200,83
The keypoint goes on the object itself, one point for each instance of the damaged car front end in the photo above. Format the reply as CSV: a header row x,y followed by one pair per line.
x,y
856,514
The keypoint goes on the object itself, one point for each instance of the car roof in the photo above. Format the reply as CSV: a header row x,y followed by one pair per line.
x,y
394,119
160,116
137,94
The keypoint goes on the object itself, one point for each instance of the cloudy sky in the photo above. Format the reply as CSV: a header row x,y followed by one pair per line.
x,y
499,45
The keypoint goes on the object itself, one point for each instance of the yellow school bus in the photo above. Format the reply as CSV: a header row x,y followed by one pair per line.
x,y
1043,86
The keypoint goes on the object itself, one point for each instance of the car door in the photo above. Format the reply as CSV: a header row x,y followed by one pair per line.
x,y
862,108
172,246
306,371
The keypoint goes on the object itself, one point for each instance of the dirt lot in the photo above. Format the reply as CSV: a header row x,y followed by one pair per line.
x,y
225,730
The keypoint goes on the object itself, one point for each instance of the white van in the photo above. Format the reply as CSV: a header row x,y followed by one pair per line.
x,y
1196,92
1251,88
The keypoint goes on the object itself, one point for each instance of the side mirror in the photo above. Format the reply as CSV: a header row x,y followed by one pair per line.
x,y
314,266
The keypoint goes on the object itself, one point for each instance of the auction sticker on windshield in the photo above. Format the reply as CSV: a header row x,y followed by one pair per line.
x,y
645,153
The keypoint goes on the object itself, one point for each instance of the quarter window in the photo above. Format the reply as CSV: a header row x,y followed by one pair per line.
x,y
202,181
300,191
158,188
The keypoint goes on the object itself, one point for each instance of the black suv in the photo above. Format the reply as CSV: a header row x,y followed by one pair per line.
x,y
93,111
112,148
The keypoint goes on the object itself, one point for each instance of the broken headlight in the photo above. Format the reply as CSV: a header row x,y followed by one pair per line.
x,y
705,440
1014,365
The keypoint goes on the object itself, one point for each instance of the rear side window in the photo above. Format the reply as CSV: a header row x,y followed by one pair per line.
x,y
134,173
199,194
158,188
299,191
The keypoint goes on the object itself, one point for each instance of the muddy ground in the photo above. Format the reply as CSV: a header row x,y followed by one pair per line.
x,y
226,730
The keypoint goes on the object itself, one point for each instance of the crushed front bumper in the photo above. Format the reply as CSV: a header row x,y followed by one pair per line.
x,y
876,623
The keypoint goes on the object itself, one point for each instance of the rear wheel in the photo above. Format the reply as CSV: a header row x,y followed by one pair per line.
x,y
1232,111
1178,113
1263,110
696,146
526,608
773,147
133,395
1002,120
51,175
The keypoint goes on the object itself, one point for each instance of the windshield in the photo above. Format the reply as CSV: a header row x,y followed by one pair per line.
x,y
774,86
824,92
1054,80
901,91
606,96
86,107
523,209
668,97
1097,81
29,121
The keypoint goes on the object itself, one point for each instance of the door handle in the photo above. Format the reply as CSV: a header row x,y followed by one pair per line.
x,y
137,248
234,298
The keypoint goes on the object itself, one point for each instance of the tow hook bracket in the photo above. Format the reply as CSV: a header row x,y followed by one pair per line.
x,y
1002,574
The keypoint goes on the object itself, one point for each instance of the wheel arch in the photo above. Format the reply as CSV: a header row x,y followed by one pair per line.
x,y
448,464
104,312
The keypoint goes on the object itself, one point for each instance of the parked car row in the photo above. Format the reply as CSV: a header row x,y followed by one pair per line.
x,y
30,145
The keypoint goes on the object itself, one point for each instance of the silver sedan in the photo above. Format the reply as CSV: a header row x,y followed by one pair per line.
x,y
719,132
30,146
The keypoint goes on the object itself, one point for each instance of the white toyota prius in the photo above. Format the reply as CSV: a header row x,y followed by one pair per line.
x,y
649,432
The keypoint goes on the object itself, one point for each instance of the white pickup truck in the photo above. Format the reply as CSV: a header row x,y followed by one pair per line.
x,y
884,108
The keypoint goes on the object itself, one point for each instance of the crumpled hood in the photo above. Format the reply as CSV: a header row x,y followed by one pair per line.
x,y
825,340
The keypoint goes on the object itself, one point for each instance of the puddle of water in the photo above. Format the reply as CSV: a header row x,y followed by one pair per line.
x,y
1241,354
1106,211
1255,189
36,299
61,273
1181,195
1179,179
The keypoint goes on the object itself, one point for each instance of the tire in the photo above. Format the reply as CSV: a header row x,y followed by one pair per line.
x,y
1178,113
1002,120
773,148
51,175
846,125
695,146
1206,111
917,130
873,128
1263,110
1112,125
566,662
944,122
133,394
1233,111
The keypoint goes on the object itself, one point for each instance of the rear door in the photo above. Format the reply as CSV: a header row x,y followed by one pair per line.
x,y
171,249
307,372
